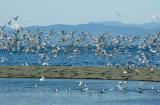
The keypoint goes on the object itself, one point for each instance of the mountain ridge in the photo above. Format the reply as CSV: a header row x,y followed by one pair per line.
x,y
106,26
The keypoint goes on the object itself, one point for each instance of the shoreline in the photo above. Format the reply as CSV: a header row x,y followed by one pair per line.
x,y
78,72
78,79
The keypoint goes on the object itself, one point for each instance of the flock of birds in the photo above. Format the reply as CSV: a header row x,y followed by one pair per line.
x,y
141,49
136,50
156,18
122,86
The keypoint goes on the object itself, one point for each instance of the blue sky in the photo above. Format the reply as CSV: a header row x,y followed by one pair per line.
x,y
48,12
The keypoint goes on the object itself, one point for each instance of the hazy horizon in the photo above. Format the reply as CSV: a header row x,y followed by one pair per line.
x,y
72,12
94,22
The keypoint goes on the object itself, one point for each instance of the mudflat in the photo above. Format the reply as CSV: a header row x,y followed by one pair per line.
x,y
76,72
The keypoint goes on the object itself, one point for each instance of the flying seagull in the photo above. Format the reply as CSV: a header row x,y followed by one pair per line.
x,y
9,22
118,14
2,27
15,18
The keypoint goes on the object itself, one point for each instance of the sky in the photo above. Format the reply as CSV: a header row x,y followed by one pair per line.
x,y
49,12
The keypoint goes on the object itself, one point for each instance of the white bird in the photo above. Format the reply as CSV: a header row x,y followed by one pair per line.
x,y
102,91
111,89
35,86
140,90
122,86
16,26
152,88
42,78
3,59
151,69
45,64
56,90
80,83
83,86
140,84
125,72
68,90
137,72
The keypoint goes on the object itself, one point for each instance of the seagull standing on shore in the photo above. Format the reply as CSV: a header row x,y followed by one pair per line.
x,y
125,72
42,78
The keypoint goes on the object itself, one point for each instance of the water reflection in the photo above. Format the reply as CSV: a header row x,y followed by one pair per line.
x,y
23,92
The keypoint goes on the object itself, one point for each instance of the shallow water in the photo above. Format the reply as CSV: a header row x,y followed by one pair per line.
x,y
23,92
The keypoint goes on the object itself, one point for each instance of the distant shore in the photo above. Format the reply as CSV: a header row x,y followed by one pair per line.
x,y
106,73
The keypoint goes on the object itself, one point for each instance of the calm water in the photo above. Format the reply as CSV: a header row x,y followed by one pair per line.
x,y
23,92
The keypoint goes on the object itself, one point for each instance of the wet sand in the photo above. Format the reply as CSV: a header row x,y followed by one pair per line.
x,y
108,73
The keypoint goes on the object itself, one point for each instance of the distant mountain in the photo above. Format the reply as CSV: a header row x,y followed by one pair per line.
x,y
98,27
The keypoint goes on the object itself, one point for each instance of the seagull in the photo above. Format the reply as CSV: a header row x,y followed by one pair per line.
x,y
122,86
118,14
56,90
83,86
80,83
35,86
137,71
68,90
125,72
15,18
45,58
42,78
45,64
152,88
9,22
158,90
111,89
3,59
151,69
3,27
140,87
102,91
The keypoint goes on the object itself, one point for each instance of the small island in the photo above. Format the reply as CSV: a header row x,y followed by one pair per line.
x,y
80,72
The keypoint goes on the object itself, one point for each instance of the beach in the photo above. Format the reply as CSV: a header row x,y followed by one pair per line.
x,y
76,72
